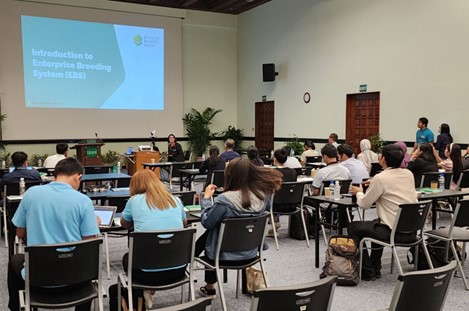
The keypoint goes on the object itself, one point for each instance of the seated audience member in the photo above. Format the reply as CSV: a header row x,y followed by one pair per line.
x,y
388,189
406,159
452,163
367,156
229,153
61,150
356,167
421,161
212,163
310,151
333,170
175,152
50,214
253,155
151,208
248,189
291,162
333,137
465,160
20,160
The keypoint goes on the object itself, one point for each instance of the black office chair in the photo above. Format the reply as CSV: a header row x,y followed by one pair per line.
x,y
238,235
422,290
187,197
201,304
187,155
291,193
376,168
174,174
56,265
303,171
315,296
464,180
410,218
456,232
97,169
314,159
218,179
145,252
428,177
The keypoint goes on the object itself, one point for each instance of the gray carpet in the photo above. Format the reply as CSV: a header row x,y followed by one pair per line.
x,y
293,264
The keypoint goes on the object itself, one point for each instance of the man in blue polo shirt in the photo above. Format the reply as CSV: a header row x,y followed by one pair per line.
x,y
49,214
424,134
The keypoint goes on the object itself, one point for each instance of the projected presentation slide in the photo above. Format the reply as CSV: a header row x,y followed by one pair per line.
x,y
75,64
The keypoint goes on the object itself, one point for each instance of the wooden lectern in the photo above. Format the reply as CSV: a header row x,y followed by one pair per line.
x,y
135,163
89,152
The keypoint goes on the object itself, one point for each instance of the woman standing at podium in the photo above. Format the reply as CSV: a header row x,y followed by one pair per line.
x,y
175,153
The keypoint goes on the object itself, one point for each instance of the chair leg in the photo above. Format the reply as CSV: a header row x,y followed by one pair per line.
x,y
362,242
427,255
318,210
394,251
106,249
238,276
461,270
391,271
272,222
304,226
264,274
5,227
119,295
220,289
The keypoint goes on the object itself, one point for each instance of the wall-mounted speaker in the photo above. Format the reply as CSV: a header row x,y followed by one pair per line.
x,y
268,72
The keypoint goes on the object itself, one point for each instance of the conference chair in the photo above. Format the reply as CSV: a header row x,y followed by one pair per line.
x,y
290,193
187,155
237,235
376,168
314,159
424,290
464,180
174,174
428,177
158,250
315,296
12,188
186,197
75,264
200,304
410,218
306,171
456,232
218,179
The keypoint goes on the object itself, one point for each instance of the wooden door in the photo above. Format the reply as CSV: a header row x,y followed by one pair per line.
x,y
362,118
264,127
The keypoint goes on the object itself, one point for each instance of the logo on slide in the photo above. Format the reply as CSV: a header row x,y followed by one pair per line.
x,y
138,40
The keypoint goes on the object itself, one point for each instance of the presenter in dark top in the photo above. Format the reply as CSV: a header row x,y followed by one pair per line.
x,y
175,153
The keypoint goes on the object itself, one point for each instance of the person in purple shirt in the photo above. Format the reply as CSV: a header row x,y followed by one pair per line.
x,y
229,153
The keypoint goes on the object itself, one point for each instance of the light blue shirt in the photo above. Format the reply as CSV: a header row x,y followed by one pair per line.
x,y
55,213
357,170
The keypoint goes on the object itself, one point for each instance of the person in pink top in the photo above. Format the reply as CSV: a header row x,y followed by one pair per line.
x,y
452,163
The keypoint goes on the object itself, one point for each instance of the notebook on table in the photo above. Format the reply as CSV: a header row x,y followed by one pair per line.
x,y
106,214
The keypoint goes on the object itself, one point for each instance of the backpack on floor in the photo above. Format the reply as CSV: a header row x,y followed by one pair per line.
x,y
342,260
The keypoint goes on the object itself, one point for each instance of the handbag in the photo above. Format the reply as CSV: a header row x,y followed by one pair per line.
x,y
254,279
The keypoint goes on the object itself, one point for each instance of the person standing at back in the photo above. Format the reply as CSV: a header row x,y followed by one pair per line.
x,y
229,153
443,140
50,214
61,150
424,134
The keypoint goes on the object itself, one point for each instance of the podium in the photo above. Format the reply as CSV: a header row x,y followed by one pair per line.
x,y
89,152
135,163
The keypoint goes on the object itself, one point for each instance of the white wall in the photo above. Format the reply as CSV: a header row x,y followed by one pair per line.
x,y
413,52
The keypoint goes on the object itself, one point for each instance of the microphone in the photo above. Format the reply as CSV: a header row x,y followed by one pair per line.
x,y
97,138
152,133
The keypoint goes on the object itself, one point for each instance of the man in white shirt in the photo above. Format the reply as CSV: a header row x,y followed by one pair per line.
x,y
356,167
62,150
291,162
388,189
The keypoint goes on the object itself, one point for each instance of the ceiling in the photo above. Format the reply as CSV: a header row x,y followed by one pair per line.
x,y
218,6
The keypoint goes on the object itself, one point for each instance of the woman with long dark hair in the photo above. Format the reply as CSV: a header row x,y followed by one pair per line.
x,y
248,189
421,161
443,140
175,152
212,163
452,163
253,155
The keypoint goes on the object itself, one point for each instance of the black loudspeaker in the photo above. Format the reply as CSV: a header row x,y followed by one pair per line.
x,y
268,72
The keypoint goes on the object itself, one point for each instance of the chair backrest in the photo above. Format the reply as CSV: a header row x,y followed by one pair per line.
x,y
63,264
177,166
315,296
200,304
461,214
303,170
290,193
218,178
428,177
464,179
13,188
96,170
242,234
344,185
411,218
314,159
187,197
119,202
187,155
146,249
375,169
422,290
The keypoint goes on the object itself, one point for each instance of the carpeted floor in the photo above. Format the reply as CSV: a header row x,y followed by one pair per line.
x,y
292,264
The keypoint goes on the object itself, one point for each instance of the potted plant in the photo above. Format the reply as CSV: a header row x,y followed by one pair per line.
x,y
198,130
295,145
110,157
377,143
236,134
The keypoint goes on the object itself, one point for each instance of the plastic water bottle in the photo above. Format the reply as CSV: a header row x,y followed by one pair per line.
x,y
332,189
441,182
39,163
272,154
337,191
22,186
118,167
203,156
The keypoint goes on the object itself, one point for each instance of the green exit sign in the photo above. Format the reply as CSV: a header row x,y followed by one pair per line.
x,y
362,88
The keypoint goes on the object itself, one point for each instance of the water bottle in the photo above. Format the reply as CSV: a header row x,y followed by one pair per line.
x,y
332,189
272,154
441,182
39,163
203,156
4,164
118,167
22,186
337,191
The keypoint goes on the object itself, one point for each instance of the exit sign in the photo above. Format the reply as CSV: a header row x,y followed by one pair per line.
x,y
362,88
